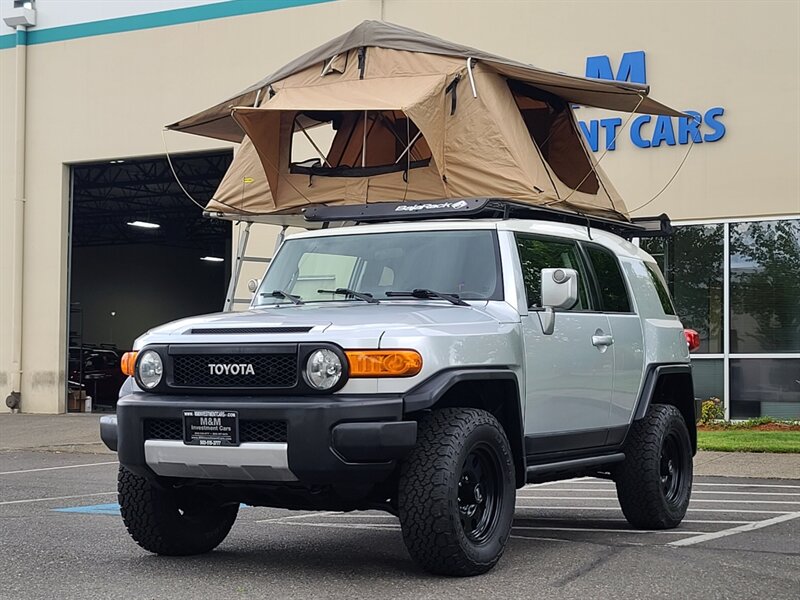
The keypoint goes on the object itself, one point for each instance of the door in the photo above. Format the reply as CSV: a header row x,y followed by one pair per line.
x,y
568,374
626,327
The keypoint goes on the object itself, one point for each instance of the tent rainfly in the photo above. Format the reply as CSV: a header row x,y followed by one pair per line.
x,y
407,116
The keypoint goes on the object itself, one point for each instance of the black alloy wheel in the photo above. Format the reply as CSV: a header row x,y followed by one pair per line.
x,y
480,490
671,471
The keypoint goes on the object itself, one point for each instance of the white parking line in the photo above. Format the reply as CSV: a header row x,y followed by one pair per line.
x,y
759,485
713,500
112,462
616,508
611,491
610,484
56,498
539,539
303,516
597,529
734,530
376,526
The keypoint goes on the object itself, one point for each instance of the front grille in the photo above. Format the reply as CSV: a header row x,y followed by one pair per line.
x,y
249,431
249,330
163,429
262,431
268,370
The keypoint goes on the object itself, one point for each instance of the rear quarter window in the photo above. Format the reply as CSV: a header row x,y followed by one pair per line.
x,y
613,293
661,288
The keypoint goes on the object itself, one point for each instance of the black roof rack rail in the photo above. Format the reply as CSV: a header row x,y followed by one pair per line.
x,y
483,208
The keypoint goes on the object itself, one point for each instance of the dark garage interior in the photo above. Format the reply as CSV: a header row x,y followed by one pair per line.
x,y
141,254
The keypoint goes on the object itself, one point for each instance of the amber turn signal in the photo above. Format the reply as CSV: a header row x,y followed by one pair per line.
x,y
128,363
384,363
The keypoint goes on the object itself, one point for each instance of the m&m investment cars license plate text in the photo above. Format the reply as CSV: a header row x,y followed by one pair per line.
x,y
211,427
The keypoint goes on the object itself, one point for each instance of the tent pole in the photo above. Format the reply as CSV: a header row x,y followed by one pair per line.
x,y
364,143
308,137
471,78
416,137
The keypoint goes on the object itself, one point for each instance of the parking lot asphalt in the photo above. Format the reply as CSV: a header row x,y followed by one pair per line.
x,y
61,537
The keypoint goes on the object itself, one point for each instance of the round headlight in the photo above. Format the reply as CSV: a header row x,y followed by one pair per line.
x,y
150,369
323,369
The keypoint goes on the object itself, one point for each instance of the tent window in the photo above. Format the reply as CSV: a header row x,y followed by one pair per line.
x,y
551,128
362,145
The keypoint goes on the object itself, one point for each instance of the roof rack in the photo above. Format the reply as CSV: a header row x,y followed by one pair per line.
x,y
484,208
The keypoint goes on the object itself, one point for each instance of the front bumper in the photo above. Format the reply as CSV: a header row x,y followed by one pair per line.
x,y
330,439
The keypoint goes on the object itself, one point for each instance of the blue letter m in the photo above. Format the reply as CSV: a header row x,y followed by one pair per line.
x,y
631,67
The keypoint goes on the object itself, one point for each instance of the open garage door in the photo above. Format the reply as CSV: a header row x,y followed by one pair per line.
x,y
141,254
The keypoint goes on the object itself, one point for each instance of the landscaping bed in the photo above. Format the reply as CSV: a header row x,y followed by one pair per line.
x,y
755,435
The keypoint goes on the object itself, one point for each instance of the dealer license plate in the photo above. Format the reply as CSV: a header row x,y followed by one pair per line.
x,y
211,427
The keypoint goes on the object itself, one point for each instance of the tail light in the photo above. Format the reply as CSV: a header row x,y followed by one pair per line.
x,y
692,339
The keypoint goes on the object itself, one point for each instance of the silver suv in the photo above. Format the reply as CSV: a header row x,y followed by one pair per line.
x,y
428,368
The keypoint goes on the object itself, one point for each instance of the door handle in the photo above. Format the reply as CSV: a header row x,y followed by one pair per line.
x,y
602,340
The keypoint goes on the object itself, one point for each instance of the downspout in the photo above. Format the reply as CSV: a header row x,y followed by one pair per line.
x,y
19,214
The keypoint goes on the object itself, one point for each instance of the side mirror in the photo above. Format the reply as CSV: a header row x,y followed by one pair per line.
x,y
559,290
253,284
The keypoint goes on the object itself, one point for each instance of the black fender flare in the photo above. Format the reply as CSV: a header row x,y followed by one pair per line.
x,y
426,394
654,373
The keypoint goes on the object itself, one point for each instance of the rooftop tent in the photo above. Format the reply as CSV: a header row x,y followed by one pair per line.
x,y
411,117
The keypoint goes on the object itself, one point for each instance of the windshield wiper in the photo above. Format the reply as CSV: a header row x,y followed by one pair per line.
x,y
425,293
281,294
352,293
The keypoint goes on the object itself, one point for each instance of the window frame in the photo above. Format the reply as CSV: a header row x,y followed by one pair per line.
x,y
591,299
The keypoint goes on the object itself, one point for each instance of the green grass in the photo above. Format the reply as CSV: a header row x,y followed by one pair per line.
x,y
742,440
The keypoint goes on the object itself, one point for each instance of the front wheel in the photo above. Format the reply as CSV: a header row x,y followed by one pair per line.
x,y
165,522
456,493
654,482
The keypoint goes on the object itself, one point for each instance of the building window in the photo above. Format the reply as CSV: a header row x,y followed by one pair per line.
x,y
764,319
765,287
693,266
765,387
709,378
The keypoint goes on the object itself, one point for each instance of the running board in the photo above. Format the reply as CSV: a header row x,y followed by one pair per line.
x,y
550,471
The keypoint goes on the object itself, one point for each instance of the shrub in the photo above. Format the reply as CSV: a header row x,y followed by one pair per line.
x,y
711,410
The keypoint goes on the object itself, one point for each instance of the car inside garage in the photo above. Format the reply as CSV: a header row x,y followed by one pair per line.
x,y
141,254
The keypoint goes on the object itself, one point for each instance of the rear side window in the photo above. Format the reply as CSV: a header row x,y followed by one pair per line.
x,y
661,288
536,254
613,294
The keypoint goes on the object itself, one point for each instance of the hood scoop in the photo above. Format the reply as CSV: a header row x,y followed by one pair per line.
x,y
247,330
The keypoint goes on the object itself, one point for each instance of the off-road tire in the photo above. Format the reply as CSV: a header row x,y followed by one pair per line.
x,y
159,524
640,479
430,500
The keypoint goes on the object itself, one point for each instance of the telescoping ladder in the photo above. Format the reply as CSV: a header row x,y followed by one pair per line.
x,y
241,258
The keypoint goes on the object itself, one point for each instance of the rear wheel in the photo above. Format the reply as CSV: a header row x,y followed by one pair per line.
x,y
164,521
654,482
456,493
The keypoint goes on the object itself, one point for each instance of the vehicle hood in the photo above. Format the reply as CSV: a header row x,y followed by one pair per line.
x,y
331,321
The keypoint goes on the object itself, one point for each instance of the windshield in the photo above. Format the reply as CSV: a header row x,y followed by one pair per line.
x,y
465,263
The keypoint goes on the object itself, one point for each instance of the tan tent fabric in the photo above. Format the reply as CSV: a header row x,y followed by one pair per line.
x,y
382,89
613,95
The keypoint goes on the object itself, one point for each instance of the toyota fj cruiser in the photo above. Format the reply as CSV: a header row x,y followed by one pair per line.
x,y
428,368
